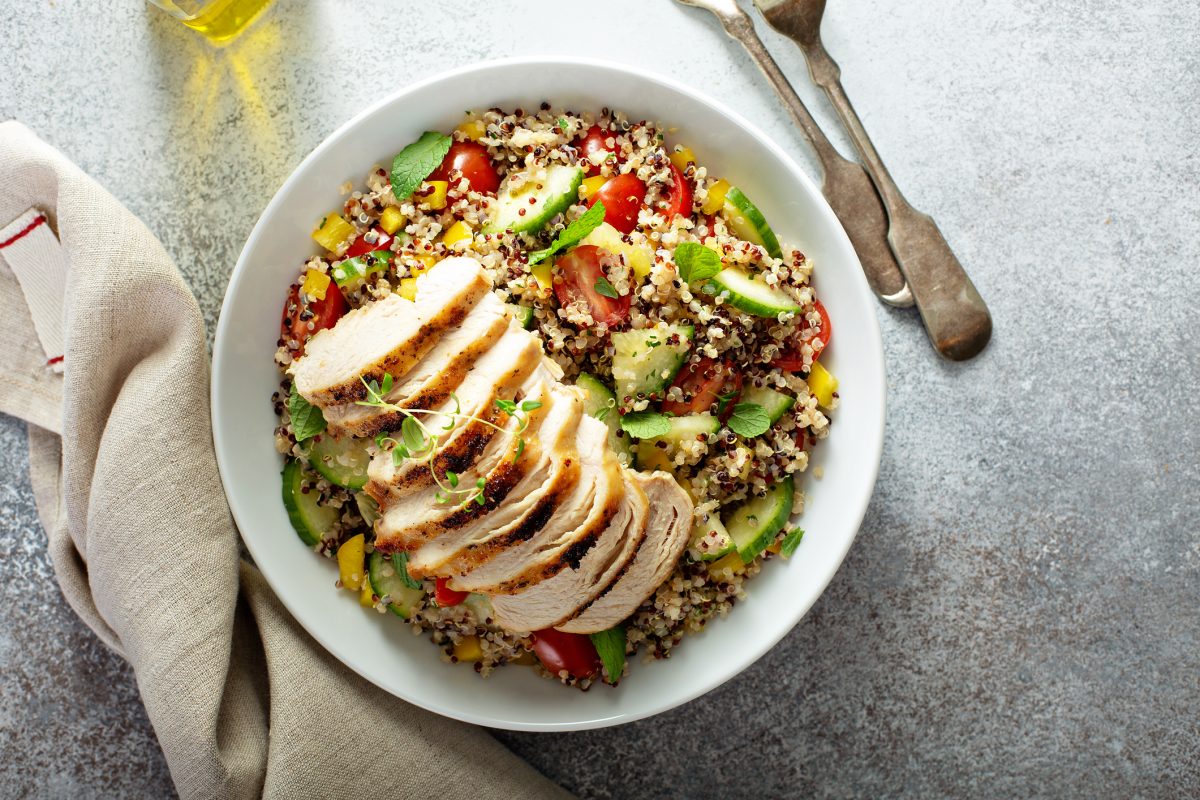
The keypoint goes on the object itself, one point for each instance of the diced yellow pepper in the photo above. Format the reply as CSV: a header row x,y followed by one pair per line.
x,y
333,232
391,220
468,649
459,231
350,557
822,384
541,273
640,260
731,564
716,197
408,288
590,186
474,129
366,598
428,261
433,194
681,158
315,284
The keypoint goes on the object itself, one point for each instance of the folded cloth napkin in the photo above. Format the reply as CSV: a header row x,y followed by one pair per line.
x,y
121,459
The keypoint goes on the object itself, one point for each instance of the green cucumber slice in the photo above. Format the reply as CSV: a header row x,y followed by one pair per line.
x,y
750,294
522,314
601,403
776,404
644,362
553,195
353,271
368,509
650,456
386,582
755,524
342,461
748,223
711,539
310,520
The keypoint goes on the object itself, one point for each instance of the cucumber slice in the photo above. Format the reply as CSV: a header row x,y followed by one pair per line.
x,y
755,524
748,223
310,520
601,403
750,294
711,539
644,362
353,271
342,461
386,581
776,404
650,456
553,195
522,314
368,509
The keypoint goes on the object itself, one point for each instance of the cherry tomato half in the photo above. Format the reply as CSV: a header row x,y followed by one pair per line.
x,y
679,199
573,652
361,246
445,597
296,315
575,277
622,196
705,383
473,161
594,141
792,360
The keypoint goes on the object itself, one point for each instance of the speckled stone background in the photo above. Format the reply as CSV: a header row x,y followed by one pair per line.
x,y
1020,615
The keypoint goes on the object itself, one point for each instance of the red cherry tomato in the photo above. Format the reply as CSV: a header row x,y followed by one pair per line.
x,y
593,141
622,196
792,360
473,161
573,652
445,597
361,246
296,317
704,384
679,199
575,277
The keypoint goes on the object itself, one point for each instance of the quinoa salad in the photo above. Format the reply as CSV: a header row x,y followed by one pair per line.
x,y
656,289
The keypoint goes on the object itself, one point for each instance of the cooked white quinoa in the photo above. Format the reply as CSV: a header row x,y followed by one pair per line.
x,y
721,470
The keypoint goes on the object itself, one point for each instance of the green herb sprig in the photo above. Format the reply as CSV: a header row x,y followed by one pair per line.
x,y
571,235
415,163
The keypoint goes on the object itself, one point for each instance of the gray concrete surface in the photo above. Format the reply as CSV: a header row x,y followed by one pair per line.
x,y
1020,614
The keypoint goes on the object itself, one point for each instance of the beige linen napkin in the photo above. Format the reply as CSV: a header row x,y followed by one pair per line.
x,y
242,700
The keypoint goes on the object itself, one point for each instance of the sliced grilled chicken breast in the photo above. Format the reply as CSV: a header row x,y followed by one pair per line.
x,y
498,375
667,530
389,336
557,599
430,382
538,547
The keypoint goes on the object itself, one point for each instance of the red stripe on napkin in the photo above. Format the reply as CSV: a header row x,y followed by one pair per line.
x,y
23,232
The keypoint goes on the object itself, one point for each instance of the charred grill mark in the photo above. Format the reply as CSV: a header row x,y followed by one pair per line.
x,y
575,553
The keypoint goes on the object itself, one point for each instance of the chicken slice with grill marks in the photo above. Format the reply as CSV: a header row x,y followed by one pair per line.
x,y
389,336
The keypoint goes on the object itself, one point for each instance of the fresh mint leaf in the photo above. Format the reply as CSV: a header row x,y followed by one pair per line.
x,y
400,564
605,288
571,235
416,162
610,646
749,420
790,542
645,424
695,262
307,419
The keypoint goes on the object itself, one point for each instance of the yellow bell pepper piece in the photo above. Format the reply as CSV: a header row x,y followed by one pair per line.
x,y
468,649
428,262
315,284
333,232
408,288
640,260
474,129
391,220
681,158
822,384
541,273
459,231
728,565
351,557
436,197
590,186
366,598
716,197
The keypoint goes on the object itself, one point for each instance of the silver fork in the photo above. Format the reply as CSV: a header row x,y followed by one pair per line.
x,y
955,316
846,185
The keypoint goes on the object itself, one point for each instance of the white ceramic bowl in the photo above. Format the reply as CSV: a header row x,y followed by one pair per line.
x,y
380,647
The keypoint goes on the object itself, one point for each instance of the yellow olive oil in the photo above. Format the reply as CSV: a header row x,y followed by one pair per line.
x,y
219,20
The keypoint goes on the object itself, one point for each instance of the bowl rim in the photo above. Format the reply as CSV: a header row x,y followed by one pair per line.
x,y
855,511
